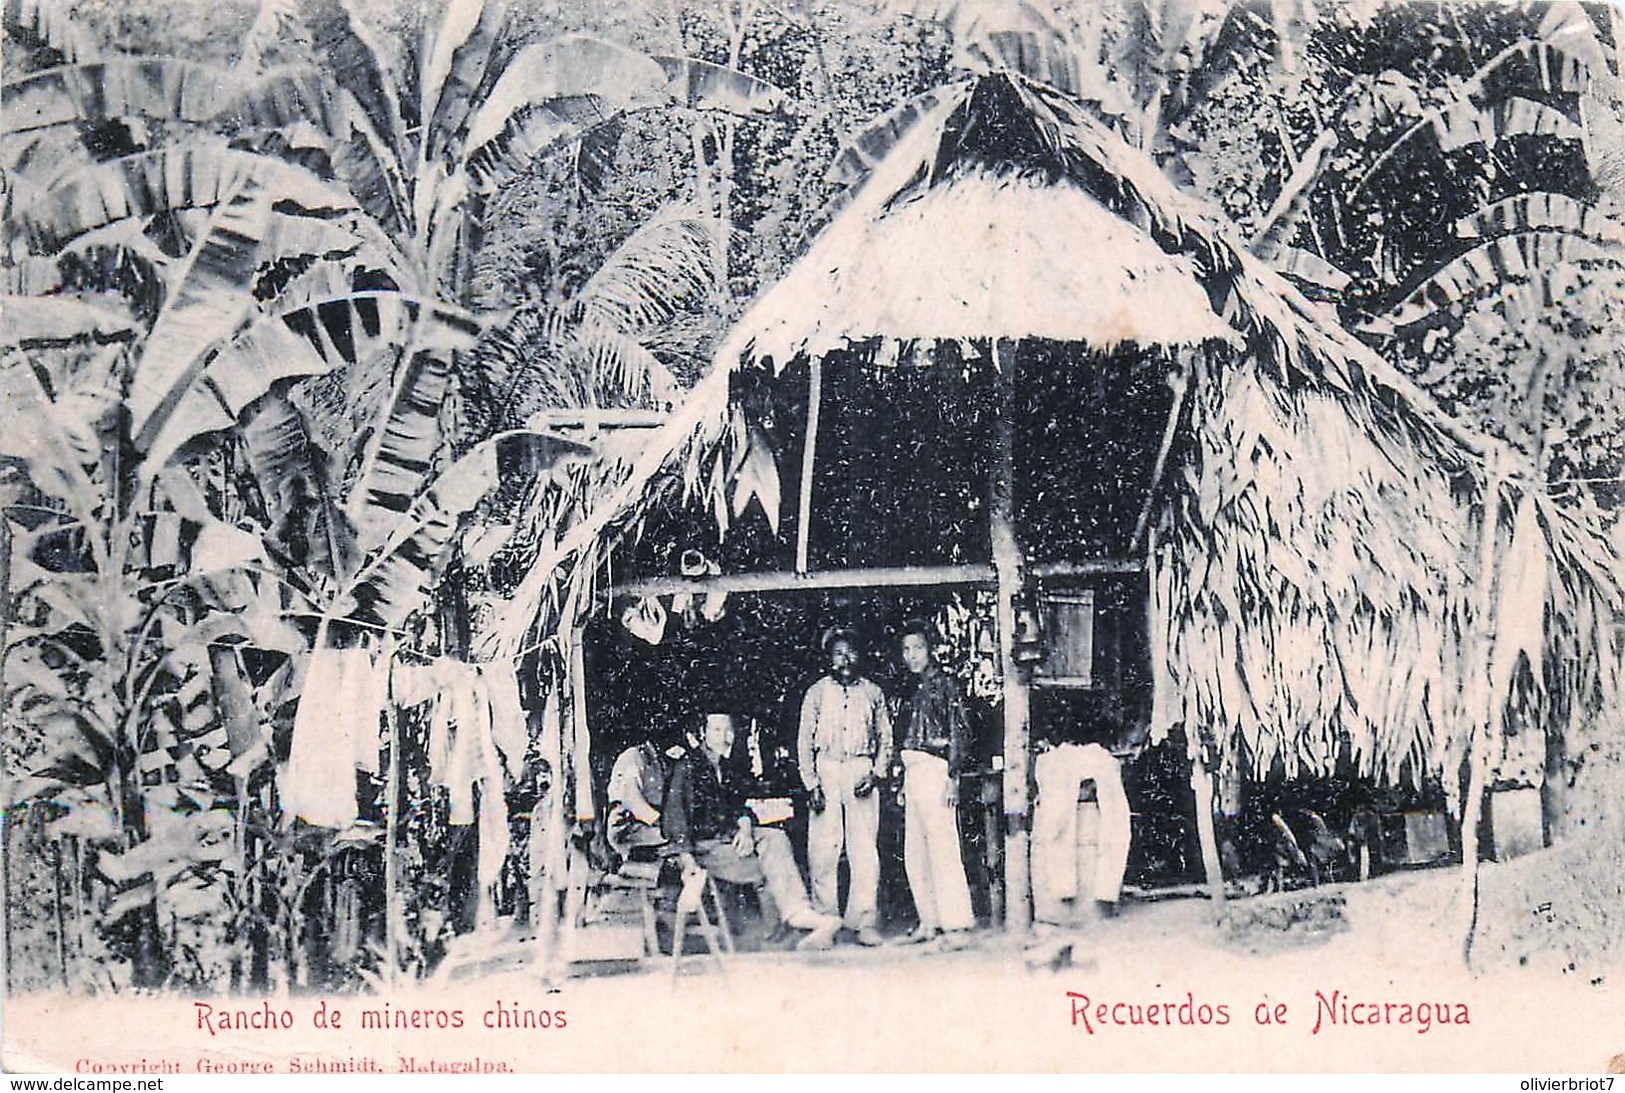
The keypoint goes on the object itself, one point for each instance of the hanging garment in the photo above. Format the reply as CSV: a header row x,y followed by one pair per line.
x,y
1060,836
335,731
464,753
510,724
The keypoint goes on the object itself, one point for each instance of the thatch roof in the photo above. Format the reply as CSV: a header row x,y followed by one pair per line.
x,y
957,261
1315,559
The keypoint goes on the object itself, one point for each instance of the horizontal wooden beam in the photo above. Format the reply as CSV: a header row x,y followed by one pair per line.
x,y
786,581
924,576
1093,568
598,419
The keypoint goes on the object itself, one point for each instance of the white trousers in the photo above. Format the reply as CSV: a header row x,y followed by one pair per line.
x,y
851,823
1073,841
931,855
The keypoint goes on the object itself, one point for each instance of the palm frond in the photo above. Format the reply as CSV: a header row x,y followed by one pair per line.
x,y
662,268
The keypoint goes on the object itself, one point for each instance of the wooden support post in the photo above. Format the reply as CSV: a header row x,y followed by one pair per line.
x,y
549,837
809,448
1180,382
1008,566
1202,787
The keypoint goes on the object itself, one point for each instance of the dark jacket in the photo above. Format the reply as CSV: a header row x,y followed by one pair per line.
x,y
933,720
699,805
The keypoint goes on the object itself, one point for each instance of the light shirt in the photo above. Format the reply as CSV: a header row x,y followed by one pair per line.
x,y
843,722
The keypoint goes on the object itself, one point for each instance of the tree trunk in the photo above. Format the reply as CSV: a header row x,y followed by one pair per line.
x,y
1481,704
392,800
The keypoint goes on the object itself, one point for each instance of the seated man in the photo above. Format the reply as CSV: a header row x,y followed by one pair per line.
x,y
637,790
710,826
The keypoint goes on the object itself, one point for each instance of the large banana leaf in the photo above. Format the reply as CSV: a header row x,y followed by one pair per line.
x,y
263,355
464,47
293,478
209,298
351,52
860,154
159,87
397,581
170,89
373,174
401,452
701,85
1518,256
347,309
198,175
1464,123
1557,61
1542,211
52,23
1018,37
1307,266
566,68
33,322
530,130
55,439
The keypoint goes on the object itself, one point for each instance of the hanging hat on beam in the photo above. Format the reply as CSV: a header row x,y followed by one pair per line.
x,y
645,620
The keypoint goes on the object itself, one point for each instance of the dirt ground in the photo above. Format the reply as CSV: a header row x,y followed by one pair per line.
x,y
1353,978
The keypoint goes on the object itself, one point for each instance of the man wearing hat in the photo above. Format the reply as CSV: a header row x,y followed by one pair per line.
x,y
844,749
710,826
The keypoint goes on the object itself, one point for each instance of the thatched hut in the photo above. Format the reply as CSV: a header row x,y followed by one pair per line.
x,y
1338,572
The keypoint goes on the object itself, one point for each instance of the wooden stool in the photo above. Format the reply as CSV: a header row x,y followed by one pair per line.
x,y
718,937
639,883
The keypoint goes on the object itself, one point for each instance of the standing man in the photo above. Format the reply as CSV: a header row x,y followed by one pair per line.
x,y
935,744
709,824
844,748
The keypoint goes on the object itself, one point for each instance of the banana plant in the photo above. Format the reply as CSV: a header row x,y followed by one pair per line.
x,y
209,238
